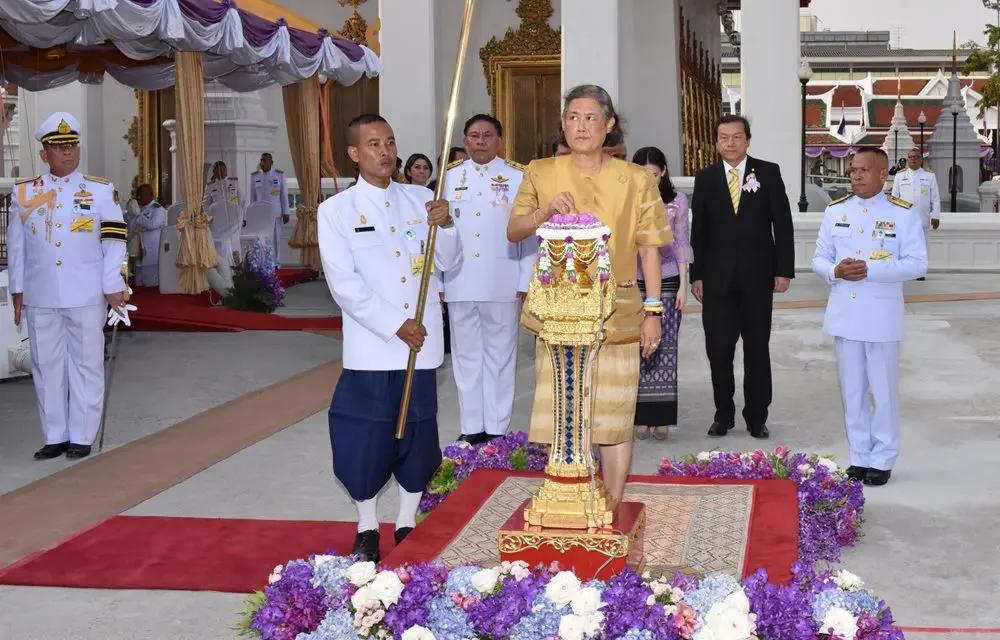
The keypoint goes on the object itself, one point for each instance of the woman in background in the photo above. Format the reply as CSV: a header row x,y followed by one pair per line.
x,y
656,406
418,169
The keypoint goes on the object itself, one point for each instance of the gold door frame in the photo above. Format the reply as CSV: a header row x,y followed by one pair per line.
x,y
504,69
532,47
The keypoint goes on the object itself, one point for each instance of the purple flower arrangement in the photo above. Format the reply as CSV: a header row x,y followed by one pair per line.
x,y
335,598
830,504
512,452
256,286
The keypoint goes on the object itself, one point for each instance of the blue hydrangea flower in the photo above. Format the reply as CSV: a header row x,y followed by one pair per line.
x,y
330,575
638,634
713,589
460,581
446,620
336,625
542,622
857,602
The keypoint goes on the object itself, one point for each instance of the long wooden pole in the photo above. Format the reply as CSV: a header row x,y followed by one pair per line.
x,y
449,129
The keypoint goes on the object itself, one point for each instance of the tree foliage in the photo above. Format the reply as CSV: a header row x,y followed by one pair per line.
x,y
987,59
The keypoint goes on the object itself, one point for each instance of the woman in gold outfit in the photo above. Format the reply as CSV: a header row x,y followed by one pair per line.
x,y
624,197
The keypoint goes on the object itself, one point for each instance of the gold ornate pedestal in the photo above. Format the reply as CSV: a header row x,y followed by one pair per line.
x,y
572,294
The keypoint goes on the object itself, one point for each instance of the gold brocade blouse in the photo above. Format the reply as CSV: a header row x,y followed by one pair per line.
x,y
625,197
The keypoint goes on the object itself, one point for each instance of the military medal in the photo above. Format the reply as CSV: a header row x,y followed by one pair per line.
x,y
363,219
461,186
500,187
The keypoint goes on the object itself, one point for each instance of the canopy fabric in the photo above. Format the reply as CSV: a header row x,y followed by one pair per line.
x,y
53,42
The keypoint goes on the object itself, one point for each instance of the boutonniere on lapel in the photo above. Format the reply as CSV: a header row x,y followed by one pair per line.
x,y
751,185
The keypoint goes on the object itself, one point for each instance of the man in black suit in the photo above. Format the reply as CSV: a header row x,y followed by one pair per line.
x,y
744,253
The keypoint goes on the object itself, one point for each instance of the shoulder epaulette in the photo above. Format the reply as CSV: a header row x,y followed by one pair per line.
x,y
841,199
278,171
899,202
96,179
453,164
517,165
24,180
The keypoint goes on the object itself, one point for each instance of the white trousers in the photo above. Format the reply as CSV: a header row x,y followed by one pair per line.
x,y
148,275
873,432
67,367
277,241
484,359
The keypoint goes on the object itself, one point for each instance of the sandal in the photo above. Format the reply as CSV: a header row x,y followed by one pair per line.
x,y
642,433
660,433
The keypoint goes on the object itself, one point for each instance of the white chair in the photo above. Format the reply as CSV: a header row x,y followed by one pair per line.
x,y
260,226
173,213
170,274
225,225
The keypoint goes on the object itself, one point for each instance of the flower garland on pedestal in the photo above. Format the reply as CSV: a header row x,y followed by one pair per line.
x,y
329,597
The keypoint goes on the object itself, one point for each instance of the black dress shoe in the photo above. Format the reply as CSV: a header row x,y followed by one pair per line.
x,y
877,477
473,439
759,431
401,533
921,279
857,473
50,451
77,451
719,429
366,546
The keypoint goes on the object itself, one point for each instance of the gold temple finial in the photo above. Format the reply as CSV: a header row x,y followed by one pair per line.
x,y
899,87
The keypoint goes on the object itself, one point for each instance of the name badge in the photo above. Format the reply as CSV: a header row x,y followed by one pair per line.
x,y
924,191
845,225
461,188
363,229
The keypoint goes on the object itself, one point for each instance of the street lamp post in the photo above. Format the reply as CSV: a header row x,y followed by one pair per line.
x,y
805,73
922,119
955,110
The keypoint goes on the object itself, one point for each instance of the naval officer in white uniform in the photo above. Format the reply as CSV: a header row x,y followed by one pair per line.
x,y
66,247
918,186
268,185
868,246
147,223
372,239
484,292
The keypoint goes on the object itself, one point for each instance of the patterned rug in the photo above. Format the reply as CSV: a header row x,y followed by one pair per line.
x,y
689,527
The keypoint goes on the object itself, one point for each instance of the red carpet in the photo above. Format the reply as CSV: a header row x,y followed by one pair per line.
x,y
187,554
165,312
230,555
772,542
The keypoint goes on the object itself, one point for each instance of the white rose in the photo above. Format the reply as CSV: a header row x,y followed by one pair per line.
x,y
275,575
704,456
320,560
829,464
729,623
806,469
387,587
416,632
571,627
586,602
738,600
562,587
485,580
705,633
360,573
361,598
848,581
841,623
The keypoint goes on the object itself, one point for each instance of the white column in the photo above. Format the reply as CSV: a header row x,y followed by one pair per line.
x,y
772,95
590,45
653,109
406,87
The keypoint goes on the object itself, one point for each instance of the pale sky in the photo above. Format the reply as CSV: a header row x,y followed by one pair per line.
x,y
925,24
